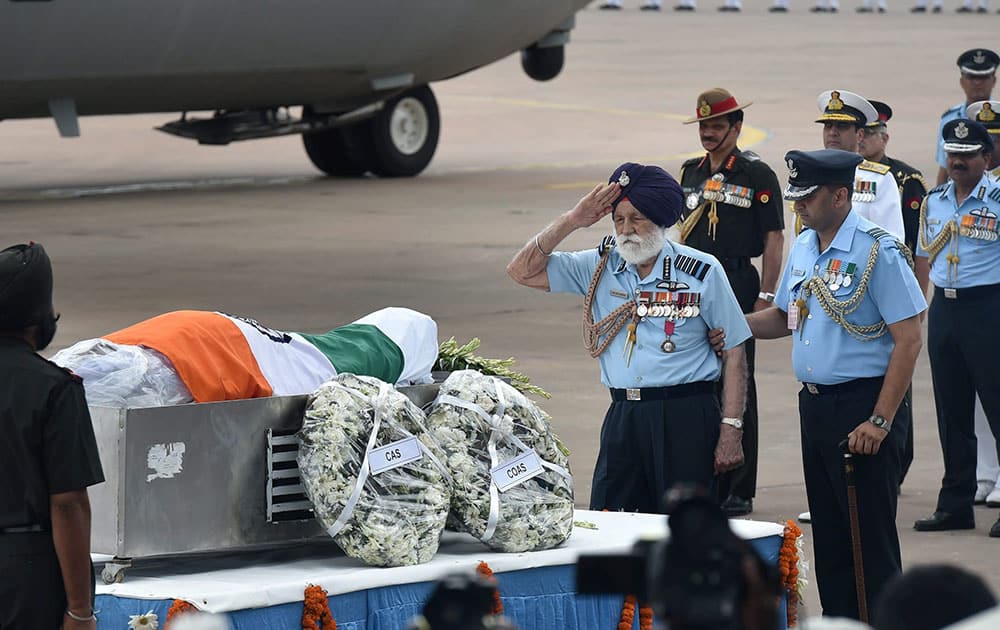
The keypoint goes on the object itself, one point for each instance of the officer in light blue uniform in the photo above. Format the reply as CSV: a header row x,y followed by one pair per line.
x,y
648,304
978,67
851,302
959,251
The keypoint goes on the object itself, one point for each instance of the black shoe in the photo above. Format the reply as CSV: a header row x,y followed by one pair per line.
x,y
736,506
936,10
777,9
684,7
819,9
918,10
864,10
995,530
982,10
881,9
650,7
963,10
728,9
610,7
942,521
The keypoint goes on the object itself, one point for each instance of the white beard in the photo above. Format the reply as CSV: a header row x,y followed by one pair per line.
x,y
636,250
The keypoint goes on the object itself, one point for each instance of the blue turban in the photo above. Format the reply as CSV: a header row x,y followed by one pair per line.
x,y
651,190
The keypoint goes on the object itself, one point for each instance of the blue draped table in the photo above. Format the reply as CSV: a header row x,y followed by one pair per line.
x,y
267,592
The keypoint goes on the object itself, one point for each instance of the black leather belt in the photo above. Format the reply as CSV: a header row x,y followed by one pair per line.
x,y
735,264
24,529
841,388
662,393
968,293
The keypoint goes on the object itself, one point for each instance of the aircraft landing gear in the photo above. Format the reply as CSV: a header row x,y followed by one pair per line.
x,y
398,141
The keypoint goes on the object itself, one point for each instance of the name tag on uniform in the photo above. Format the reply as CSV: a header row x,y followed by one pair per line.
x,y
394,455
798,272
933,221
793,315
516,471
619,294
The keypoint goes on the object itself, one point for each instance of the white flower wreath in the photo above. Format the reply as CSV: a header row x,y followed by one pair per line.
x,y
482,422
391,518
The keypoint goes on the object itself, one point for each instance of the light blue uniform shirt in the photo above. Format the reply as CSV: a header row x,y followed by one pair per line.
x,y
954,113
693,359
825,353
979,258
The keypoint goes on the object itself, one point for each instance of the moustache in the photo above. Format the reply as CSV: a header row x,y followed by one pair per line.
x,y
959,167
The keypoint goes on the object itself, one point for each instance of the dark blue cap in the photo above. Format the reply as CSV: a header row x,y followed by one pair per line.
x,y
978,62
808,170
965,136
651,190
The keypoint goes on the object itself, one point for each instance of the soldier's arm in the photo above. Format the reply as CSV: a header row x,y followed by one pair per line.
x,y
729,449
529,264
71,537
771,323
774,242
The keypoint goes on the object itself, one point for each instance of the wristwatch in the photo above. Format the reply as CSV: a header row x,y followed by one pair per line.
x,y
736,423
764,295
880,422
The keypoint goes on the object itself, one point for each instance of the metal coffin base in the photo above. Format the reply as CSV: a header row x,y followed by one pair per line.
x,y
194,478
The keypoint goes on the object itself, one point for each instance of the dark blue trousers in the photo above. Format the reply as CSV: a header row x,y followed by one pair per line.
x,y
648,446
825,421
963,344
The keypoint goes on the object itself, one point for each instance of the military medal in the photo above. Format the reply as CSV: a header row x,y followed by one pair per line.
x,y
643,308
692,201
834,282
668,345
849,274
695,308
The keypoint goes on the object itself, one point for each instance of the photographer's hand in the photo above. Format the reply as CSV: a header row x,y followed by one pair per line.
x,y
729,450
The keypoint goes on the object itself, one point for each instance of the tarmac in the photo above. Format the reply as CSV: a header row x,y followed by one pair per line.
x,y
139,223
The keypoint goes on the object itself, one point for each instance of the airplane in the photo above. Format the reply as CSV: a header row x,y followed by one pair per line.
x,y
359,70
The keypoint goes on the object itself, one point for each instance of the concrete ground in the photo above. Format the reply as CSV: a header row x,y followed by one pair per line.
x,y
139,223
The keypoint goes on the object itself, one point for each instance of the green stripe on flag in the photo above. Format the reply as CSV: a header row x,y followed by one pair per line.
x,y
360,349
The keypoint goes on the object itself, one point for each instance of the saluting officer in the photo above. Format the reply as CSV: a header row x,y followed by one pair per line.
x,y
851,302
648,304
845,116
48,458
960,253
734,212
978,67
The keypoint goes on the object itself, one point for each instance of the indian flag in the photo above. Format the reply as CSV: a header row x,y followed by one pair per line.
x,y
225,357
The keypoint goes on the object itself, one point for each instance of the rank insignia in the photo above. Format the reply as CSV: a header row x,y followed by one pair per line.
x,y
961,131
979,57
623,179
764,196
792,171
704,109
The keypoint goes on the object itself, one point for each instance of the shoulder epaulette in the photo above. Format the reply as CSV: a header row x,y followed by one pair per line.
x,y
877,233
692,162
750,156
621,266
607,243
874,167
938,188
995,194
950,110
691,266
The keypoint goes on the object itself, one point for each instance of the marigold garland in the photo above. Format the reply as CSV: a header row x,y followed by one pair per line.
x,y
788,566
628,615
179,607
316,613
484,570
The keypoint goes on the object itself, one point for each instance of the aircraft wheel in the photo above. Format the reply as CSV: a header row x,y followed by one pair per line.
x,y
543,64
405,133
342,151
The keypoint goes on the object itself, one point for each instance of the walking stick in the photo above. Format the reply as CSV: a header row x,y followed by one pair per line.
x,y
852,508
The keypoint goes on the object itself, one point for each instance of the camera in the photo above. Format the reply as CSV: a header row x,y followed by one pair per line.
x,y
460,602
701,577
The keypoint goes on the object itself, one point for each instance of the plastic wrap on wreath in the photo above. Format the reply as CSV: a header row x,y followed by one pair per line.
x,y
124,376
513,488
375,475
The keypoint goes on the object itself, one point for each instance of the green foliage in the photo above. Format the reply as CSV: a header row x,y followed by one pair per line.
x,y
452,356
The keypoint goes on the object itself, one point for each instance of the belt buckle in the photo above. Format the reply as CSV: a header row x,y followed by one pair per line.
x,y
633,393
811,388
951,294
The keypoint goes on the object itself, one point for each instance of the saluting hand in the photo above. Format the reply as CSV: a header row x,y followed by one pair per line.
x,y
729,450
595,205
865,439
